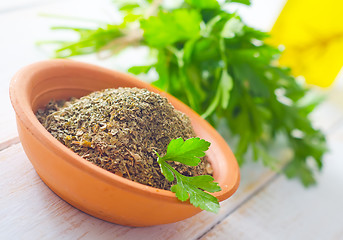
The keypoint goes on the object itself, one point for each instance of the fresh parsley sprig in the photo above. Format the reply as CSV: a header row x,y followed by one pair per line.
x,y
189,153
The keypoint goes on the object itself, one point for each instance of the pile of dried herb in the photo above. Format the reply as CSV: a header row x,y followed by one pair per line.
x,y
119,129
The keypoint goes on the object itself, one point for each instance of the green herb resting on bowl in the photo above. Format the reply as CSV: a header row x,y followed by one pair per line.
x,y
211,60
189,153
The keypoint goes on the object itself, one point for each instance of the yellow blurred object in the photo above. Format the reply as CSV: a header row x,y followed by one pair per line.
x,y
312,33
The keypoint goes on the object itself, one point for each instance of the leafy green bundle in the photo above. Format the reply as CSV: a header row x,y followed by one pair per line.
x,y
223,69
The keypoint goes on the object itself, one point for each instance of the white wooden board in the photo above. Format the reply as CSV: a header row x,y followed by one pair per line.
x,y
30,210
266,206
285,210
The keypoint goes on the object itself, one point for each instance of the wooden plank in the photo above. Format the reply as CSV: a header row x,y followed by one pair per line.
x,y
285,210
47,210
28,209
8,129
55,218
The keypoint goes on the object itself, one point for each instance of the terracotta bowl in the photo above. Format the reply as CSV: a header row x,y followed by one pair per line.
x,y
85,185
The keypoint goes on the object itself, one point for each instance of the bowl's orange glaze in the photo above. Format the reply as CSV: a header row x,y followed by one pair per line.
x,y
85,185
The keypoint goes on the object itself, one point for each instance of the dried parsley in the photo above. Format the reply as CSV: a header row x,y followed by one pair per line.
x,y
119,130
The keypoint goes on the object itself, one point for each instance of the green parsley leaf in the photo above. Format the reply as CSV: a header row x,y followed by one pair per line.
x,y
188,188
226,84
203,4
90,40
139,69
128,6
192,188
187,152
171,27
165,169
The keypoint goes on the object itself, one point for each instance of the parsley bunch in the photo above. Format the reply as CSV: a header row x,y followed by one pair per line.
x,y
223,69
